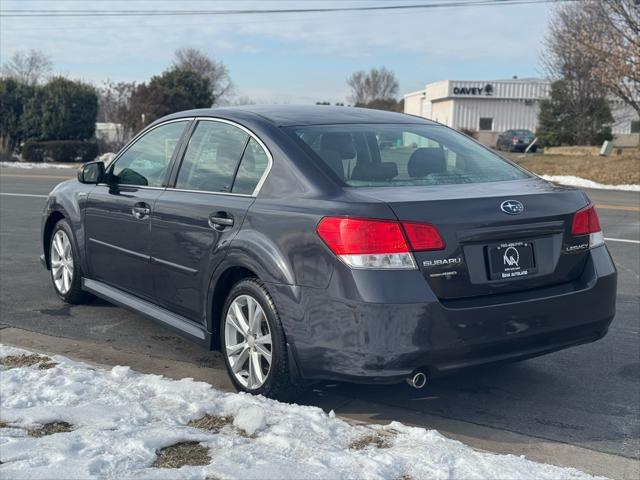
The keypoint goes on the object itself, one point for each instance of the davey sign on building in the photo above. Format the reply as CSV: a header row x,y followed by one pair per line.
x,y
486,90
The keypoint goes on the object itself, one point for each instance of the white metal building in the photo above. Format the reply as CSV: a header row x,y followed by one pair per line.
x,y
491,107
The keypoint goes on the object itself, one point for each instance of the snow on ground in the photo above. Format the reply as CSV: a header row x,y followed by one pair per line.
x,y
105,157
30,165
584,183
121,418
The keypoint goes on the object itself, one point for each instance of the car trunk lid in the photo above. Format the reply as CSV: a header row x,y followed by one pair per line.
x,y
488,250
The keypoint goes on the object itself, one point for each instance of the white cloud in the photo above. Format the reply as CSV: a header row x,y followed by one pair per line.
x,y
136,47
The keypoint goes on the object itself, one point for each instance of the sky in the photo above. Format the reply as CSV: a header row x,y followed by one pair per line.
x,y
286,57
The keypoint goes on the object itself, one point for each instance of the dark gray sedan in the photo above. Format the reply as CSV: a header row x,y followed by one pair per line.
x,y
316,243
516,141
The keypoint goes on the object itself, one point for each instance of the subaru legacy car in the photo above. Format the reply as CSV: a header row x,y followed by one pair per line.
x,y
322,243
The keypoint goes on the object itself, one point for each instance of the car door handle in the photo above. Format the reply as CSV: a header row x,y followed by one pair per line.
x,y
141,210
220,220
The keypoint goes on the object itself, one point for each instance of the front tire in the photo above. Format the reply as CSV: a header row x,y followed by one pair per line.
x,y
66,275
253,342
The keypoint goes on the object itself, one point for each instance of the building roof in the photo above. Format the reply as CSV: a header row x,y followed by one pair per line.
x,y
290,115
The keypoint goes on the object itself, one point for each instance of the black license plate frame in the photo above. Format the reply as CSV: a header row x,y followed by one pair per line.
x,y
510,260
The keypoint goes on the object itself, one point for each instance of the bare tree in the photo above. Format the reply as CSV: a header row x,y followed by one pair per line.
x,y
564,61
199,62
113,107
373,85
243,100
28,67
608,35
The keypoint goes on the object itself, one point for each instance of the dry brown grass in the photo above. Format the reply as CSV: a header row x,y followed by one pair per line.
x,y
46,365
379,439
213,423
50,429
19,361
613,170
181,454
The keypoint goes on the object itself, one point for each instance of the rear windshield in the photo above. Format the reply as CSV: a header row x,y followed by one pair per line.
x,y
402,155
524,133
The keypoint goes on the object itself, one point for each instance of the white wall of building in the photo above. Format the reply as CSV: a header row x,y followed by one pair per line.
x,y
413,103
623,116
442,111
509,103
505,113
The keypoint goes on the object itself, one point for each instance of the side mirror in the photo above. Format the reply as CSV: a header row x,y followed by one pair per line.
x,y
92,172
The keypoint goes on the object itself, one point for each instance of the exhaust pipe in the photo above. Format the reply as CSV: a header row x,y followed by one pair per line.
x,y
418,380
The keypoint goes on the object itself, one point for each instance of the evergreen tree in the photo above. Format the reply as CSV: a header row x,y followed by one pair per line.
x,y
561,123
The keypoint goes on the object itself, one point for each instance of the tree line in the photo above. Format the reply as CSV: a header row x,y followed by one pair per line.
x,y
52,116
47,116
592,52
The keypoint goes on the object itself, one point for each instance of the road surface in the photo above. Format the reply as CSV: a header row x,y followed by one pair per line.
x,y
578,407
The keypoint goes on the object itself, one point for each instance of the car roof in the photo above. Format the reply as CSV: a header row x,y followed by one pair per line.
x,y
294,115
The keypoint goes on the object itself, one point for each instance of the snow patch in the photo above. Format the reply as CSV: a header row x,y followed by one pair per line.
x,y
584,183
31,165
122,418
106,158
250,419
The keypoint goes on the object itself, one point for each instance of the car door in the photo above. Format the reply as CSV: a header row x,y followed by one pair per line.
x,y
117,213
194,221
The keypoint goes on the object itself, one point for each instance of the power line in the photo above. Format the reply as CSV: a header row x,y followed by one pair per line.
x,y
138,13
115,23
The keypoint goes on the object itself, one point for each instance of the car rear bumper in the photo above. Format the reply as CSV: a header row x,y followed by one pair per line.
x,y
520,147
335,337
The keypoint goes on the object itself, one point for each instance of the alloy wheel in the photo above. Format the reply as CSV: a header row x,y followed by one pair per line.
x,y
61,262
248,344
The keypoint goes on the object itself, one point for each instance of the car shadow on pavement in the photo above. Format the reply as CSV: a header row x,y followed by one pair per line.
x,y
523,398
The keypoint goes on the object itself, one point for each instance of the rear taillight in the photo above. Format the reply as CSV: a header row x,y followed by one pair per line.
x,y
423,236
586,222
377,244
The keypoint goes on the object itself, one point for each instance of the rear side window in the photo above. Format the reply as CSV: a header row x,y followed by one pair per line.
x,y
253,165
402,155
145,163
211,158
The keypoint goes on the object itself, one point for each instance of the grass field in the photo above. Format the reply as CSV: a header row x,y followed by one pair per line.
x,y
613,170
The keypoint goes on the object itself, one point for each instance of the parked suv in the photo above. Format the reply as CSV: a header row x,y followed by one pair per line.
x,y
311,243
516,141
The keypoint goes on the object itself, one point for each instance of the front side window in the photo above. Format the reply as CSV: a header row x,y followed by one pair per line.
x,y
211,158
402,155
145,163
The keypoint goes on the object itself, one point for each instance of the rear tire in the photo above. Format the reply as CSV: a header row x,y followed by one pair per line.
x,y
66,273
253,342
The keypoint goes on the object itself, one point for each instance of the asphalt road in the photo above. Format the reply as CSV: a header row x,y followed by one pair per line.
x,y
587,396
